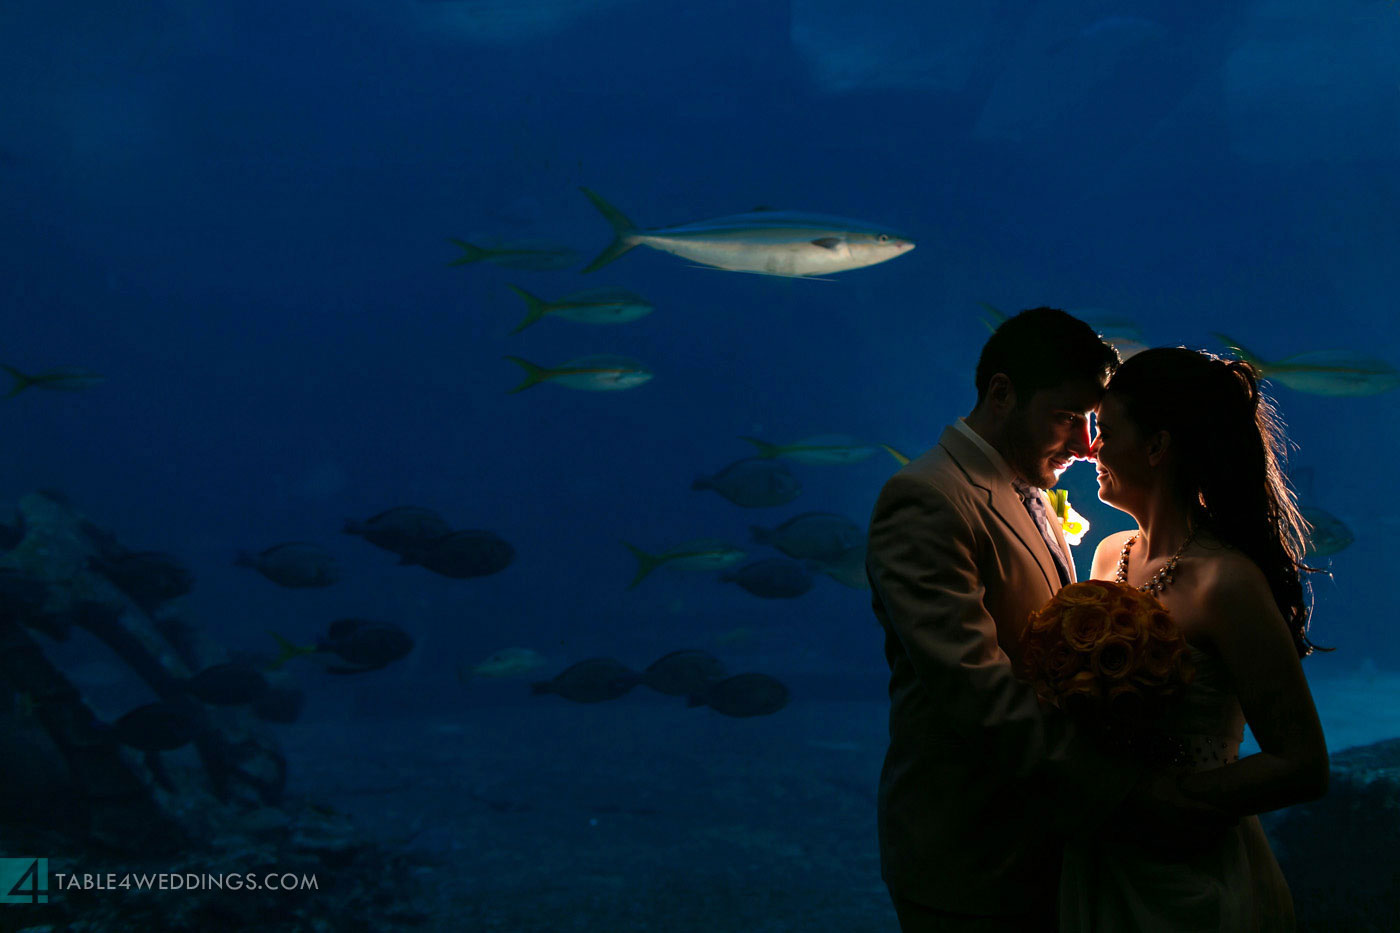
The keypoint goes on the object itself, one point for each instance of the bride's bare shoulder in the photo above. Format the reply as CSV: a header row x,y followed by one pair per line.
x,y
1107,553
1225,566
1233,587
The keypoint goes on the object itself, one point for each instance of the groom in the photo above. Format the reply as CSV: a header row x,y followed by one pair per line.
x,y
962,549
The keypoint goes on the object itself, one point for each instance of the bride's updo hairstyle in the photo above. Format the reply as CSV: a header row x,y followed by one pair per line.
x,y
1227,444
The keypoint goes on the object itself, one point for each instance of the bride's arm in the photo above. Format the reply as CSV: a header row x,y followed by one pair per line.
x,y
1256,646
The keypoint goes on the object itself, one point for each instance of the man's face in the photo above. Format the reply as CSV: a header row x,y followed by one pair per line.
x,y
1049,430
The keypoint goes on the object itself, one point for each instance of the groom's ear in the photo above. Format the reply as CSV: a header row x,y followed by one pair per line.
x,y
1157,446
1001,394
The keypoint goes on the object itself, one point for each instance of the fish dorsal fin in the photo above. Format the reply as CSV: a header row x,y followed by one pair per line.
x,y
827,242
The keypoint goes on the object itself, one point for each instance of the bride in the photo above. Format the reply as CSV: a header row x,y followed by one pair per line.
x,y
1189,447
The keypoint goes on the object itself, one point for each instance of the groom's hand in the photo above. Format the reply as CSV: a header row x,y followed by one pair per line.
x,y
1157,816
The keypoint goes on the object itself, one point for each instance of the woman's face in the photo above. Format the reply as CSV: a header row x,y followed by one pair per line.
x,y
1121,451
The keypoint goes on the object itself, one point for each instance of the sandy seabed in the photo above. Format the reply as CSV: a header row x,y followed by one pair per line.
x,y
533,813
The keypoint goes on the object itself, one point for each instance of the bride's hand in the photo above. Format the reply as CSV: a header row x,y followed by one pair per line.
x,y
1164,789
1159,817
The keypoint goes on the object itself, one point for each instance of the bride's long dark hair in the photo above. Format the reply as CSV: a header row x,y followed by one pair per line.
x,y
1230,446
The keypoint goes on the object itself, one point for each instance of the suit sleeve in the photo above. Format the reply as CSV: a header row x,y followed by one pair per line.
x,y
923,570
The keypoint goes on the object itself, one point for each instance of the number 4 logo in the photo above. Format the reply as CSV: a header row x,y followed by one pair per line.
x,y
24,881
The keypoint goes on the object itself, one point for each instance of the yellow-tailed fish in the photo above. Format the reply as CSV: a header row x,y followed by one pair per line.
x,y
899,458
288,651
63,378
508,662
591,306
783,243
1323,372
590,373
705,554
825,448
524,254
1121,333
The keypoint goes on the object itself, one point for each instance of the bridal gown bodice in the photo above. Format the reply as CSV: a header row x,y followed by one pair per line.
x,y
1233,884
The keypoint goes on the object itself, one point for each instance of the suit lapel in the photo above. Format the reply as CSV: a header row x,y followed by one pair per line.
x,y
1003,500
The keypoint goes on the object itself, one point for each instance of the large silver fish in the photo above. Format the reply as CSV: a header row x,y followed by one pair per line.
x,y
782,243
1323,372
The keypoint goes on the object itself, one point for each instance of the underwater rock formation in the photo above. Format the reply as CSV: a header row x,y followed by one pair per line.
x,y
63,553
101,788
1338,852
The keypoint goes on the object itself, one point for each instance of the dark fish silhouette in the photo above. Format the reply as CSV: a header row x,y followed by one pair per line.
x,y
774,578
682,673
811,536
150,578
364,644
591,681
295,564
402,529
464,554
160,726
743,695
1328,534
280,703
847,568
753,483
229,684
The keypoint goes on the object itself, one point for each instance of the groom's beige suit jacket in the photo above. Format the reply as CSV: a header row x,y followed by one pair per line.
x,y
980,783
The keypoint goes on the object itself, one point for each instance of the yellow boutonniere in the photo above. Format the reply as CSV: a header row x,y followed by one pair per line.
x,y
1073,524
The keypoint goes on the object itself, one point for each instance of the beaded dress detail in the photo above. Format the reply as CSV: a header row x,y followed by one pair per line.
x,y
1208,719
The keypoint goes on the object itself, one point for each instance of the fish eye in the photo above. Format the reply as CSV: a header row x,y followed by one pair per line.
x,y
884,238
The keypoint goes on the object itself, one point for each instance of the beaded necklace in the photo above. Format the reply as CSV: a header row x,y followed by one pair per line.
x,y
1162,577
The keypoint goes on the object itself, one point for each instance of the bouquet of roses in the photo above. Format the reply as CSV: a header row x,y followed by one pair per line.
x,y
1111,657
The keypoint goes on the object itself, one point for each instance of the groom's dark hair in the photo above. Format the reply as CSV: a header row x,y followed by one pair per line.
x,y
1040,348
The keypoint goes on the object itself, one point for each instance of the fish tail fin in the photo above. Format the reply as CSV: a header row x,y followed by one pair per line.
x,y
759,534
470,253
702,482
244,559
625,232
994,318
22,381
646,563
765,449
1248,356
536,308
288,651
533,374
898,457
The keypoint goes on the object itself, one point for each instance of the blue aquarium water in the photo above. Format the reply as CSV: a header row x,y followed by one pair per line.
x,y
269,271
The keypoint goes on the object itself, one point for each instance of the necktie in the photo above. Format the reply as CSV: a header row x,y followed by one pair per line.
x,y
1034,501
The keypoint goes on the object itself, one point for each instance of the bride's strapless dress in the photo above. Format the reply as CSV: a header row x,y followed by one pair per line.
x,y
1235,886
